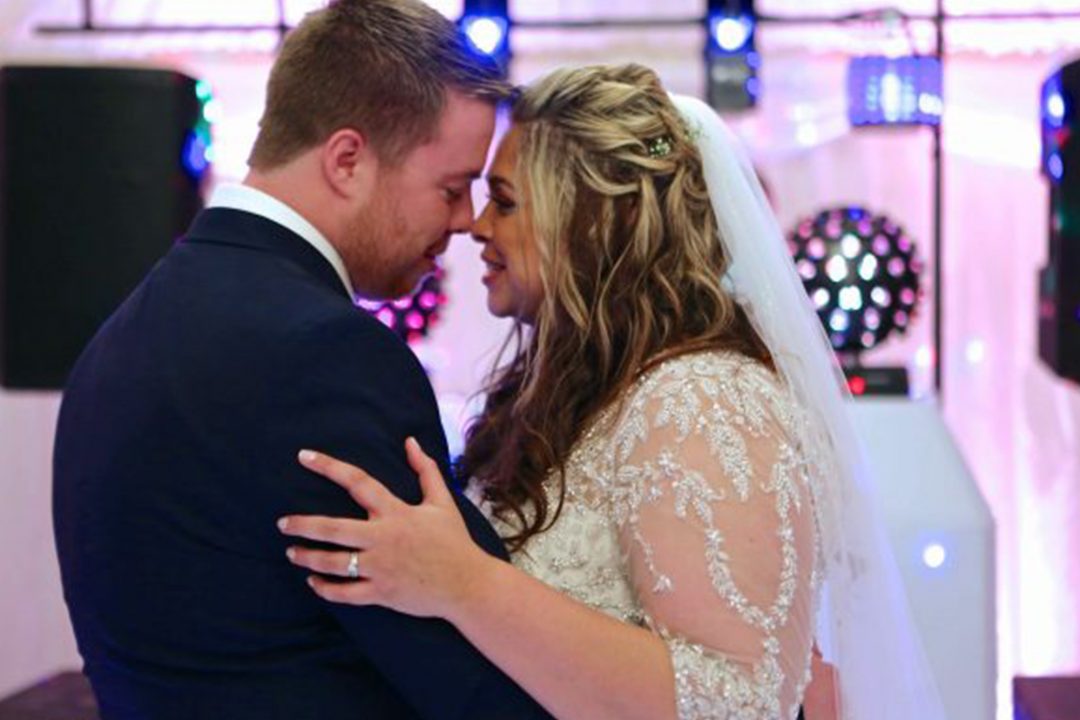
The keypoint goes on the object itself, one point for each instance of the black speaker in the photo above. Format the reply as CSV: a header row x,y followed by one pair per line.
x,y
100,172
1059,280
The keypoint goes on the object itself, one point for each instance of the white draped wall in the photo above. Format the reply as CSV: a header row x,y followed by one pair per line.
x,y
1018,426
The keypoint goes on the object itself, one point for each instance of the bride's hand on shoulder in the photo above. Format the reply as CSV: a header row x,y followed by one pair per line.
x,y
416,559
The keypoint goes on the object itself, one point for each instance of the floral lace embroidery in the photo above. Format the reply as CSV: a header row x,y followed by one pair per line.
x,y
728,401
708,685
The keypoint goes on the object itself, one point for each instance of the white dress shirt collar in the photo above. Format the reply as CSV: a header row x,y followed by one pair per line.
x,y
243,197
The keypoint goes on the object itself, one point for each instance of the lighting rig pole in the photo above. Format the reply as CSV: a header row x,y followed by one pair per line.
x,y
938,230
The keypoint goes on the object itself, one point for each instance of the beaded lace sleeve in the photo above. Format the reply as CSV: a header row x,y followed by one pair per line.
x,y
713,504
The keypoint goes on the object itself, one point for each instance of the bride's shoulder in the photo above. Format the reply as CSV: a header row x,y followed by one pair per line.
x,y
690,384
701,391
712,366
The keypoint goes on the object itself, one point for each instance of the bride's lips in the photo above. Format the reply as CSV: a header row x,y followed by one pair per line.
x,y
494,268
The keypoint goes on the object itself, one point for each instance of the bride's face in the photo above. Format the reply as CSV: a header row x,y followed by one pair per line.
x,y
509,252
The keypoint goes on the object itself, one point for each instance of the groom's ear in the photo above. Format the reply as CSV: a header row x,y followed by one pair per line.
x,y
349,163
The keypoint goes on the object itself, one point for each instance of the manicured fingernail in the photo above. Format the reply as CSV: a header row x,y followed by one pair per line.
x,y
311,581
291,553
307,455
411,442
283,523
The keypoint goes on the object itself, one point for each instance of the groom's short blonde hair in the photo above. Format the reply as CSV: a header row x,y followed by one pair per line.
x,y
382,67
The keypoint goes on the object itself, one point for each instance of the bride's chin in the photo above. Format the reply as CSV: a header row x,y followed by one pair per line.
x,y
497,308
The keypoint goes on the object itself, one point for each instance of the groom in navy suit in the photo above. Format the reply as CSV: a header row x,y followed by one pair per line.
x,y
177,439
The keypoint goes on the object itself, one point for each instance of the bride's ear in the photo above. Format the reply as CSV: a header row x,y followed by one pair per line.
x,y
349,163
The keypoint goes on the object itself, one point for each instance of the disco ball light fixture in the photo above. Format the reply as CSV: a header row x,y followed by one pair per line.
x,y
412,316
861,273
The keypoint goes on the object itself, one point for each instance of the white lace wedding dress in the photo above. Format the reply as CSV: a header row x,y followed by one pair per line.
x,y
689,511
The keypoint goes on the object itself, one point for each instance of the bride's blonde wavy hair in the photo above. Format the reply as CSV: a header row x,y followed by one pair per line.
x,y
612,184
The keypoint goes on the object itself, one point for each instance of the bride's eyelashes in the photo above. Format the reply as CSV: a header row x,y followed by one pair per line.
x,y
502,205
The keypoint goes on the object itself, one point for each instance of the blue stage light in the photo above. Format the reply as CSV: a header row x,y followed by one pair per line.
x,y
732,34
731,25
194,156
1055,167
1058,127
486,25
732,62
895,90
934,555
198,151
1055,108
486,34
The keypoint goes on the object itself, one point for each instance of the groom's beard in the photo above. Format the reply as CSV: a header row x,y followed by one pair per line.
x,y
377,251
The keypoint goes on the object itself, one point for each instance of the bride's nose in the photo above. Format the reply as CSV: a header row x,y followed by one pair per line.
x,y
481,226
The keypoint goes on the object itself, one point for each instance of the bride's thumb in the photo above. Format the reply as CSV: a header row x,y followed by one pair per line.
x,y
432,484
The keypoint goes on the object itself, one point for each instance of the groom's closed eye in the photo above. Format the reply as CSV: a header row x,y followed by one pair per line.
x,y
453,194
455,186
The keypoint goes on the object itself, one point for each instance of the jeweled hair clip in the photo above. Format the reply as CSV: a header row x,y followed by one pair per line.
x,y
659,147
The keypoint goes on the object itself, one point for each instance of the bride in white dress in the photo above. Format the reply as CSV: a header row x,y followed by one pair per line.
x,y
661,454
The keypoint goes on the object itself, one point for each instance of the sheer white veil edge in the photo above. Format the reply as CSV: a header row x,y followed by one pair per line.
x,y
864,624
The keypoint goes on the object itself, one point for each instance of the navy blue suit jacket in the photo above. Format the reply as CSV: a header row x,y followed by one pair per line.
x,y
175,454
